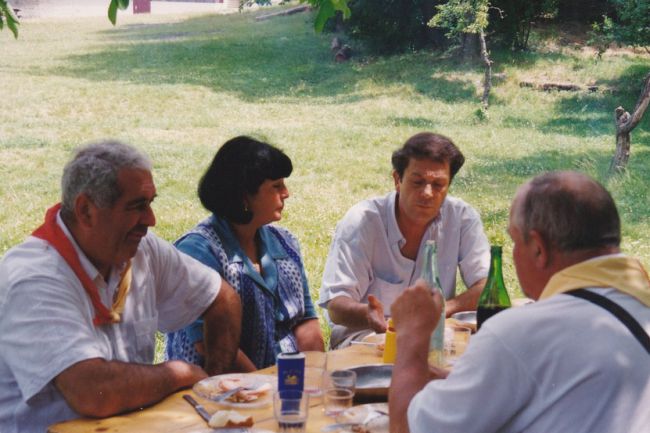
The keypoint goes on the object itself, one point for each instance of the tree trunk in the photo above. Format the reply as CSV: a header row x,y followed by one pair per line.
x,y
625,123
487,79
470,48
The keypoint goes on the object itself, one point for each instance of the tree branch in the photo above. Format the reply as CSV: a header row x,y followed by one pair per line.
x,y
639,109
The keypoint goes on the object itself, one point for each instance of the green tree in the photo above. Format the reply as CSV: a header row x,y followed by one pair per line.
x,y
326,9
8,17
513,19
630,25
392,26
463,17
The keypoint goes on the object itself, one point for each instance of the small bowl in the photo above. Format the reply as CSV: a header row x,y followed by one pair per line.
x,y
373,381
466,318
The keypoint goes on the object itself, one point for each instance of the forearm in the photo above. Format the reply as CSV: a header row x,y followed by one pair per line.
x,y
222,328
348,312
243,363
100,388
309,336
412,375
466,301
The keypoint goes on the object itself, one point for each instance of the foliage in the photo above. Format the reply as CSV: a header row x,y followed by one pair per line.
x,y
327,9
581,11
461,16
389,26
114,6
511,20
630,25
8,17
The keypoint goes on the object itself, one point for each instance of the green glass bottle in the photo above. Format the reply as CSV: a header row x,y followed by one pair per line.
x,y
494,297
430,276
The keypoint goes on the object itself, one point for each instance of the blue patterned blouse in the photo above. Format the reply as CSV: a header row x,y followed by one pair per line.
x,y
273,303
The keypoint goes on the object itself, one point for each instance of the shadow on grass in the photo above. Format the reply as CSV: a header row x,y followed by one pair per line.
x,y
282,57
631,190
591,114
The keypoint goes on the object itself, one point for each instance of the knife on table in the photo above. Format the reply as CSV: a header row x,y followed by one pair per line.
x,y
198,407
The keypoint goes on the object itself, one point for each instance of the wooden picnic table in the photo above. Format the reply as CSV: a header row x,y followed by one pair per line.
x,y
173,414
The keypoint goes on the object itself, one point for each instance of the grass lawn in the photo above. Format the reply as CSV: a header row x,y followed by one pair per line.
x,y
179,86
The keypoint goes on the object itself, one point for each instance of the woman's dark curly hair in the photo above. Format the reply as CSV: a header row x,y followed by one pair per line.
x,y
239,168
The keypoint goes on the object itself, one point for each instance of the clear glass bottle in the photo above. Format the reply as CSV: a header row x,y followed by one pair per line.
x,y
430,276
494,297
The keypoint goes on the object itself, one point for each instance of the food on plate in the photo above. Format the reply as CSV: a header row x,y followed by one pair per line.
x,y
230,418
245,395
378,424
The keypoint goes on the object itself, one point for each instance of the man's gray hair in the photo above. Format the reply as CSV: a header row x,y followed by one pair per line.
x,y
569,210
94,169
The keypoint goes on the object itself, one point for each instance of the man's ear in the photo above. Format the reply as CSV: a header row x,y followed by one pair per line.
x,y
397,180
84,210
540,249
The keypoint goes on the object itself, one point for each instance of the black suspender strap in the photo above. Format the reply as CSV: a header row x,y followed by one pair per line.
x,y
617,311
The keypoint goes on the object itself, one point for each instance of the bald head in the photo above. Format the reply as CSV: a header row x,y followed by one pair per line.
x,y
569,210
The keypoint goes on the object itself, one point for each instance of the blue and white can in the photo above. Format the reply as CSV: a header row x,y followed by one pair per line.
x,y
291,371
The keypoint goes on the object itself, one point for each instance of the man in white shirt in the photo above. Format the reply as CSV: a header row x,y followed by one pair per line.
x,y
562,364
82,298
378,245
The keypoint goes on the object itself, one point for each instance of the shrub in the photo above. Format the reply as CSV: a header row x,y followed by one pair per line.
x,y
389,26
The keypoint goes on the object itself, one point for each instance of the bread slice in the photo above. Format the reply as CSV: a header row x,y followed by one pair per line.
x,y
230,418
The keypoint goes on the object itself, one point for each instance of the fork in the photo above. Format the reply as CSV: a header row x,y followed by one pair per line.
x,y
227,394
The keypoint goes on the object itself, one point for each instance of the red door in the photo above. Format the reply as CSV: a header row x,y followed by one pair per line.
x,y
141,6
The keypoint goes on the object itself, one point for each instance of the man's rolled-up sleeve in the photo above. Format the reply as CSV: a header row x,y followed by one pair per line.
x,y
185,286
347,269
46,332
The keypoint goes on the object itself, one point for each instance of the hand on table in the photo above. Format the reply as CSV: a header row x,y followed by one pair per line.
x,y
375,315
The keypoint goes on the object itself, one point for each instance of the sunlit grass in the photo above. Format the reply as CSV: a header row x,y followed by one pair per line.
x,y
178,87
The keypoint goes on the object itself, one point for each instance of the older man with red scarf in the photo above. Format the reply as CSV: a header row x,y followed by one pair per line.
x,y
82,298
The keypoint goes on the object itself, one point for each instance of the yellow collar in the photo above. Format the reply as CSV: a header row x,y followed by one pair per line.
x,y
625,274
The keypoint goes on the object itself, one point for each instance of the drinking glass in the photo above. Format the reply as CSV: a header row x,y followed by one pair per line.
x,y
290,408
337,400
315,367
456,341
340,379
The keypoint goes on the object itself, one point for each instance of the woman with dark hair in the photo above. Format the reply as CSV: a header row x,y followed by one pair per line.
x,y
245,191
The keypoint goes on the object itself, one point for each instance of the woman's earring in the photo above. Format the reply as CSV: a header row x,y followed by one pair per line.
x,y
245,207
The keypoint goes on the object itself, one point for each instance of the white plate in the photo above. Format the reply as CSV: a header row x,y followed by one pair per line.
x,y
231,430
209,388
370,415
375,338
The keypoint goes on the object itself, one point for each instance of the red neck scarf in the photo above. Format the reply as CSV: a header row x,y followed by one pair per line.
x,y
54,235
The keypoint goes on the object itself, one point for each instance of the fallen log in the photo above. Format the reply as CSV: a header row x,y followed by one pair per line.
x,y
551,86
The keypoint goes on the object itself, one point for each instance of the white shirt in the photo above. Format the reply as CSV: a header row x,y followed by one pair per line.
x,y
559,365
365,257
46,320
